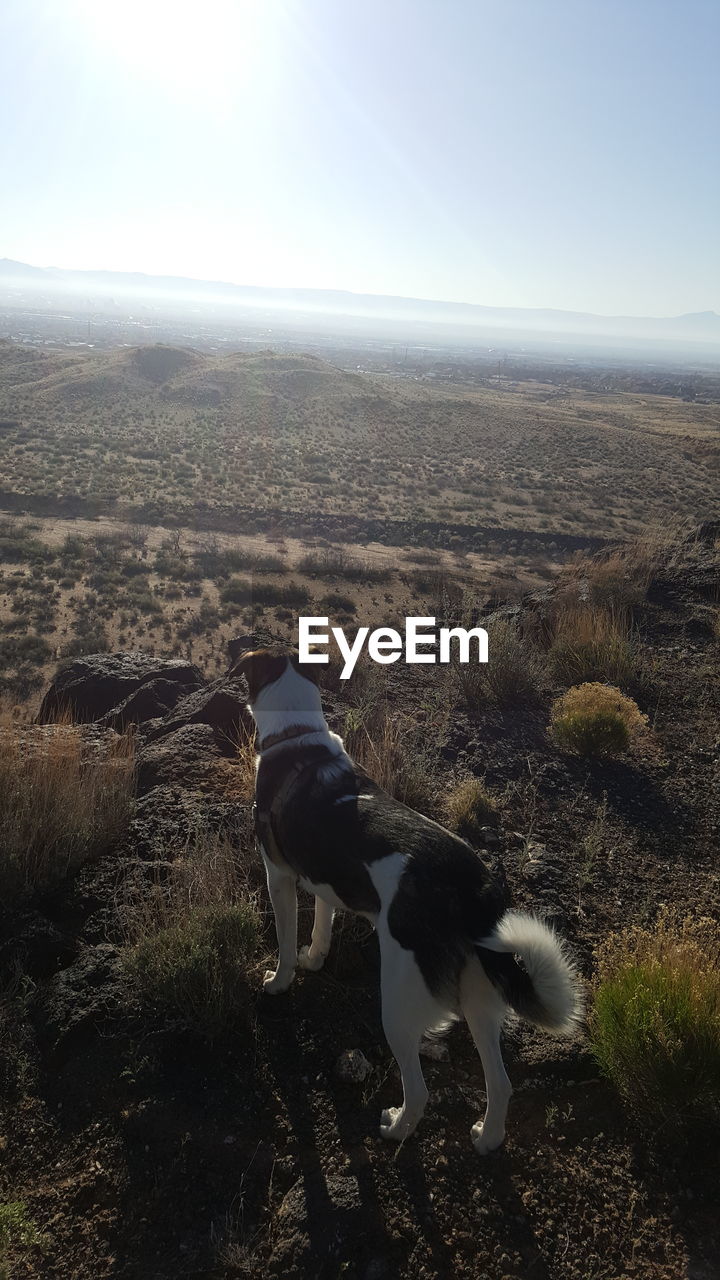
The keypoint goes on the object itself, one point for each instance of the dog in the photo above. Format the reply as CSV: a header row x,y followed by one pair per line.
x,y
448,942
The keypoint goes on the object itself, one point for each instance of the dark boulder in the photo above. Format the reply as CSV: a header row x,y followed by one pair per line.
x,y
32,944
80,997
185,757
91,686
220,705
167,817
151,700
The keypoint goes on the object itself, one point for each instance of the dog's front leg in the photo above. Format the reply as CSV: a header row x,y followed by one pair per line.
x,y
283,895
314,956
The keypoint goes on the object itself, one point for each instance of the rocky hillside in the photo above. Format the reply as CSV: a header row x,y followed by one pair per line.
x,y
140,1149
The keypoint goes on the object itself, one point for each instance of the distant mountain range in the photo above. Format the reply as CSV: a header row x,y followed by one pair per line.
x,y
112,286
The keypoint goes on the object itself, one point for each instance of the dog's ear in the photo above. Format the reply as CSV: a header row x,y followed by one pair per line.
x,y
259,667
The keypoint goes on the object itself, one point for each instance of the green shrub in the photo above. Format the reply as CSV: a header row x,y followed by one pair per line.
x,y
470,806
595,720
17,1231
655,1021
197,969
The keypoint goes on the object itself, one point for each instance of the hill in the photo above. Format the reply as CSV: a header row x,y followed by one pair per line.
x,y
163,433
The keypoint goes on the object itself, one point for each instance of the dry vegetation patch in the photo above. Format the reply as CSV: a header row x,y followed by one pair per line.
x,y
63,801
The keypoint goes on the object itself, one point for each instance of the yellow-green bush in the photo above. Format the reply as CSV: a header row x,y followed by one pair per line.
x,y
470,806
655,1021
595,719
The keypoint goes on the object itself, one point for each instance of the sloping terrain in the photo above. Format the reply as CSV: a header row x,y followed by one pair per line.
x,y
163,433
141,1151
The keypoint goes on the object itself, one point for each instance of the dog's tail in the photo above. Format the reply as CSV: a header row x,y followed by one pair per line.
x,y
545,989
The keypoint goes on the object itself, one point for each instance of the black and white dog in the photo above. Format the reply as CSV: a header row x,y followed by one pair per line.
x,y
448,944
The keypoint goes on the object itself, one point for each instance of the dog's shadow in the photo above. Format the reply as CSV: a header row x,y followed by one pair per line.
x,y
369,1204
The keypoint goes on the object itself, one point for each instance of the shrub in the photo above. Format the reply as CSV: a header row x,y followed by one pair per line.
x,y
197,968
592,643
17,1231
655,1022
338,603
595,719
513,673
60,804
191,931
470,806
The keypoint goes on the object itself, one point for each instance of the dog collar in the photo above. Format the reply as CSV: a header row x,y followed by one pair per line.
x,y
295,731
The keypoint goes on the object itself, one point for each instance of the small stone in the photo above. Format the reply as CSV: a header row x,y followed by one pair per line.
x,y
352,1066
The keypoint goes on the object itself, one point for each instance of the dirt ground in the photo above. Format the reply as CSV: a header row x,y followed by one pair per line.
x,y
141,1152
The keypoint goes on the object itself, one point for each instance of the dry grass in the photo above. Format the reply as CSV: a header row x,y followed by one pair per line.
x,y
514,672
191,934
595,720
469,807
396,752
619,579
63,801
592,642
655,1023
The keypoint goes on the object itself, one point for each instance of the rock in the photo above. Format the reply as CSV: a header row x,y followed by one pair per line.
x,y
90,687
259,638
151,701
221,705
489,838
539,868
352,1066
35,946
185,757
167,817
82,996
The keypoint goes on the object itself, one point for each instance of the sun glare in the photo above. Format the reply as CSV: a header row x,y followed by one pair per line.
x,y
180,45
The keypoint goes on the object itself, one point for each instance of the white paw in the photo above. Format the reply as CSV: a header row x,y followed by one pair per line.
x,y
275,981
485,1144
394,1126
308,961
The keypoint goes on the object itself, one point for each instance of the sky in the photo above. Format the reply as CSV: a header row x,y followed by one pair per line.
x,y
525,153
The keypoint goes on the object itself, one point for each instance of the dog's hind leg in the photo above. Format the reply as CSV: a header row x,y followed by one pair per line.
x,y
283,895
407,1009
485,1013
313,957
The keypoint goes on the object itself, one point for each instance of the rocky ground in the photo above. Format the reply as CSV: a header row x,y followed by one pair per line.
x,y
140,1151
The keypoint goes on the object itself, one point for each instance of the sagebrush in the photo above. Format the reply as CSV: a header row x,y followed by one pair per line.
x,y
655,1021
595,720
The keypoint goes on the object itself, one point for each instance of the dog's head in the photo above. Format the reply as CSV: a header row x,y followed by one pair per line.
x,y
284,682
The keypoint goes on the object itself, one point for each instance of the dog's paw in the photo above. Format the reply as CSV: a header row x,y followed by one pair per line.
x,y
485,1143
275,982
394,1126
306,961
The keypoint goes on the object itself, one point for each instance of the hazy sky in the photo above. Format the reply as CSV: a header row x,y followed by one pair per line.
x,y
557,153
